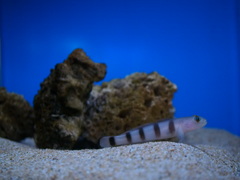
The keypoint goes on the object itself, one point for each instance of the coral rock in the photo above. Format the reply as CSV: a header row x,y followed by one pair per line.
x,y
16,116
72,113
123,104
60,103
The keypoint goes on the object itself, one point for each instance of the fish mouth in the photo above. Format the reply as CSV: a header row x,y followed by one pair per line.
x,y
204,122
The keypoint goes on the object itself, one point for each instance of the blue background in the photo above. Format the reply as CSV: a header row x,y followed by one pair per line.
x,y
193,43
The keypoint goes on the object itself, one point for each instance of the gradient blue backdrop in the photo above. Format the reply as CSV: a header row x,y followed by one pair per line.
x,y
193,43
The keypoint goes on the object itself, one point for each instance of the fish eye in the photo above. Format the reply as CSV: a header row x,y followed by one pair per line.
x,y
197,119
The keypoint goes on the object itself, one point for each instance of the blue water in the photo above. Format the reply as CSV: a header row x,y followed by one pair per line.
x,y
195,44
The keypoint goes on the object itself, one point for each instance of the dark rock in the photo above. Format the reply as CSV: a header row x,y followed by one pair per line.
x,y
61,102
73,114
16,116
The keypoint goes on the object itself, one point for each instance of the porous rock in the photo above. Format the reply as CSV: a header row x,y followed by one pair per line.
x,y
61,101
123,104
74,114
16,116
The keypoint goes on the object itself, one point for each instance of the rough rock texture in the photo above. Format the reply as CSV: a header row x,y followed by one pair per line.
x,y
214,154
123,104
16,116
70,114
60,103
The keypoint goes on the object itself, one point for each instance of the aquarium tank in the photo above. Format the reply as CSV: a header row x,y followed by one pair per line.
x,y
194,44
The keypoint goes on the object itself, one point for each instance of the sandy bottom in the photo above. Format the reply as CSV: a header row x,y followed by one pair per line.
x,y
205,154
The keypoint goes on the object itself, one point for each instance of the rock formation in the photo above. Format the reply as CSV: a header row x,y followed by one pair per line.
x,y
70,114
16,116
123,104
60,103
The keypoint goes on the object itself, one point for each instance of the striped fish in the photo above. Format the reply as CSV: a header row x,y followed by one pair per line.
x,y
155,131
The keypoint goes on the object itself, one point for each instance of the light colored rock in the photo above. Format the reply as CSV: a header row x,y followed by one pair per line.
x,y
212,154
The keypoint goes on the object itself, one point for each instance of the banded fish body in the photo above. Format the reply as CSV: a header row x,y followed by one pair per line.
x,y
155,131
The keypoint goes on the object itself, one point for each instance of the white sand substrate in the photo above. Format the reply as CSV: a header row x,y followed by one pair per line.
x,y
204,154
